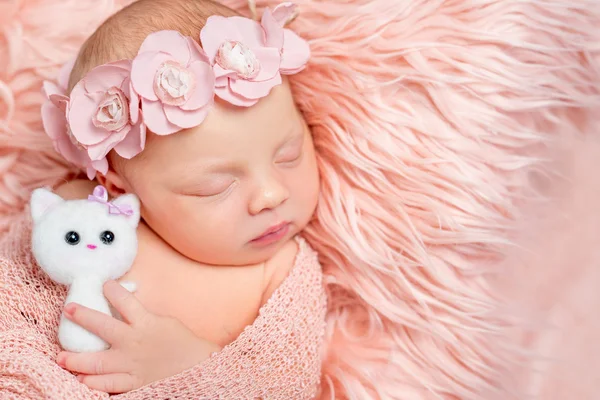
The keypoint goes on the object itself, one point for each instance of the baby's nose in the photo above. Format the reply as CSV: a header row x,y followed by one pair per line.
x,y
91,246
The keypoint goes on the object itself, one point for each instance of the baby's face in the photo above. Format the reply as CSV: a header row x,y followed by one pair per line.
x,y
214,191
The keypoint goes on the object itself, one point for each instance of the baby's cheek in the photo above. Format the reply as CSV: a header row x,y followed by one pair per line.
x,y
215,227
306,190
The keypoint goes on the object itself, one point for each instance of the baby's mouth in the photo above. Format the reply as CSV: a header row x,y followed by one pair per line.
x,y
274,233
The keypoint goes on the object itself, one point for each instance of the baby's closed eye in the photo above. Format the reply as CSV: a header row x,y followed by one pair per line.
x,y
212,187
291,152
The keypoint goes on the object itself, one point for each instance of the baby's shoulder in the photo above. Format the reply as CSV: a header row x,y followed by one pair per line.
x,y
278,267
75,189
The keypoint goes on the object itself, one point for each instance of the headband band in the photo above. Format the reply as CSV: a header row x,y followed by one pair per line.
x,y
169,86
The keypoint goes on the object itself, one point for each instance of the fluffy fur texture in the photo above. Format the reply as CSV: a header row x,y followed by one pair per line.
x,y
88,261
552,279
429,117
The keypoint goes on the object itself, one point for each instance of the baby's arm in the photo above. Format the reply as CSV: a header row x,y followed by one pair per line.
x,y
77,189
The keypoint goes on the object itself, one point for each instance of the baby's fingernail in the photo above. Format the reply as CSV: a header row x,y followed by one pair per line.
x,y
69,309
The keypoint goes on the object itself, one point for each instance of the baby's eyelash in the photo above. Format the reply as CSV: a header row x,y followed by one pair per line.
x,y
220,193
292,157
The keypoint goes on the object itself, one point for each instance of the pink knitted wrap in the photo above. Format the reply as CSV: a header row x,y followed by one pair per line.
x,y
427,117
277,357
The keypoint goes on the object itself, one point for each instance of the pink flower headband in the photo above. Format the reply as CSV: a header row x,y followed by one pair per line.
x,y
169,86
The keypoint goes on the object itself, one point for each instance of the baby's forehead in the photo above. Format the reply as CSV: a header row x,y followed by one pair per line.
x,y
229,130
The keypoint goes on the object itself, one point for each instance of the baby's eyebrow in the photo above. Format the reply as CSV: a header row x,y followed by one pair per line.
x,y
294,134
207,169
199,179
208,166
222,167
296,137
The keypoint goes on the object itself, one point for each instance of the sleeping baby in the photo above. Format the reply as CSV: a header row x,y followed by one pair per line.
x,y
185,104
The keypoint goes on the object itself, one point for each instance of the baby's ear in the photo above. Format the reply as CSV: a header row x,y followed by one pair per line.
x,y
41,200
130,201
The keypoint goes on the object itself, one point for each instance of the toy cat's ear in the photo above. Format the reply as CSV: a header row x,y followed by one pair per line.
x,y
41,200
130,201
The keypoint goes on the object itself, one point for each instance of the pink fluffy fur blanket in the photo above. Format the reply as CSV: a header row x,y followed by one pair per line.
x,y
441,126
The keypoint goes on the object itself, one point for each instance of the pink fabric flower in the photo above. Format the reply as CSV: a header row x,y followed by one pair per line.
x,y
104,112
295,51
170,85
246,69
172,76
54,119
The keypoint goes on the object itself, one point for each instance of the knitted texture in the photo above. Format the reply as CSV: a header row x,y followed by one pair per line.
x,y
277,357
426,117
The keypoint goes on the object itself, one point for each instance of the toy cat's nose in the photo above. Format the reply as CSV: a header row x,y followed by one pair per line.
x,y
91,246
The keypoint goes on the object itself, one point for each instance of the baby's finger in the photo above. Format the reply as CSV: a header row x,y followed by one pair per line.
x,y
111,383
104,326
104,362
124,302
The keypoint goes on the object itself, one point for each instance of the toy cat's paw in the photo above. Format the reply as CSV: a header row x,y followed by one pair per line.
x,y
74,338
130,286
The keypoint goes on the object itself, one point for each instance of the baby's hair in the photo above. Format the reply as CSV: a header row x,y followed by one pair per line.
x,y
121,35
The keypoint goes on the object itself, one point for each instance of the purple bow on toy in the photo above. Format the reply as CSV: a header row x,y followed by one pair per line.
x,y
100,195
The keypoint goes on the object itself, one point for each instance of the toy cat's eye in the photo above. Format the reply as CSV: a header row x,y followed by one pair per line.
x,y
107,237
72,238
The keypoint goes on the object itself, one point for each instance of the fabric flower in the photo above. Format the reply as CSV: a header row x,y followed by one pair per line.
x,y
54,119
246,69
295,51
104,112
172,76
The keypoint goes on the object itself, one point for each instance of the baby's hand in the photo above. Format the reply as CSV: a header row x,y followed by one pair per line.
x,y
144,347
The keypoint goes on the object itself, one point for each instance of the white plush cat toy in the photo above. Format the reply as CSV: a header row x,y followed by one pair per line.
x,y
83,244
